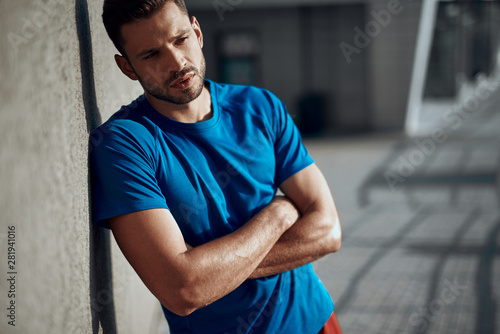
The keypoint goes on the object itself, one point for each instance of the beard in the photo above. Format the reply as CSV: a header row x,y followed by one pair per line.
x,y
186,95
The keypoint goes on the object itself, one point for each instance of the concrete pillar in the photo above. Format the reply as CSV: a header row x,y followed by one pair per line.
x,y
58,82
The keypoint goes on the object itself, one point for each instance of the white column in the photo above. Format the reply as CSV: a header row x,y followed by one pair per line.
x,y
422,54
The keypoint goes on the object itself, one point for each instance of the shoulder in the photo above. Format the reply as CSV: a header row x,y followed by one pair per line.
x,y
127,126
245,95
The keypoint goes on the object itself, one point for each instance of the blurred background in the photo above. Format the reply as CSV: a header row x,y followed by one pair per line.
x,y
397,101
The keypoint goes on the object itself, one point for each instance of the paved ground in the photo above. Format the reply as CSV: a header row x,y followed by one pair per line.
x,y
421,227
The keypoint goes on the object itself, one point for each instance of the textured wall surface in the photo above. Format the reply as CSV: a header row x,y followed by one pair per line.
x,y
58,82
44,168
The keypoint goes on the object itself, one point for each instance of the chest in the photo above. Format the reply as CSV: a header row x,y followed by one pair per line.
x,y
215,181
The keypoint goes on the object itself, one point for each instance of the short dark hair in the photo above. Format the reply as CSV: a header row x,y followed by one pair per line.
x,y
117,13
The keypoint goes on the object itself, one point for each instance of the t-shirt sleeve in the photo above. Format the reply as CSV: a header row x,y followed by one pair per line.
x,y
291,154
123,178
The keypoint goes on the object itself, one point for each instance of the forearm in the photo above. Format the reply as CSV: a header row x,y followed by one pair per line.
x,y
313,236
212,270
316,234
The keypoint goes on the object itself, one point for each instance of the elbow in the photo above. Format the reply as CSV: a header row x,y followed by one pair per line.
x,y
183,301
334,236
335,245
181,308
180,311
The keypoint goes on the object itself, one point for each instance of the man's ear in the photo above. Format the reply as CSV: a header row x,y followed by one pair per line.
x,y
125,67
197,30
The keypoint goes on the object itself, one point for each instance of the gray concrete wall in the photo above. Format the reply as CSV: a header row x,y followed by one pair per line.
x,y
58,82
391,58
344,81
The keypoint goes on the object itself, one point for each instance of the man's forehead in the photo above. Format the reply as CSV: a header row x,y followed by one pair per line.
x,y
169,22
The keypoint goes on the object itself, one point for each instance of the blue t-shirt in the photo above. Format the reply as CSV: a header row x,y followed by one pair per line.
x,y
213,176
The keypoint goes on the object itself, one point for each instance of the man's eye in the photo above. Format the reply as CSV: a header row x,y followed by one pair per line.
x,y
182,40
151,55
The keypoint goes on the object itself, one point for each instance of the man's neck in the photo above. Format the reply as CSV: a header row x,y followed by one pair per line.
x,y
198,110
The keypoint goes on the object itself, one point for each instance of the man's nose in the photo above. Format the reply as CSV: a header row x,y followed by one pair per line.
x,y
176,61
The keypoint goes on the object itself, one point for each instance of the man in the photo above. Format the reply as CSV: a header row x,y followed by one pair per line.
x,y
186,177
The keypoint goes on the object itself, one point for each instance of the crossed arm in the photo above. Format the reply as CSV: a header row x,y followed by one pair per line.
x,y
290,232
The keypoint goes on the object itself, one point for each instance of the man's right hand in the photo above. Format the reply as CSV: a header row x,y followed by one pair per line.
x,y
284,209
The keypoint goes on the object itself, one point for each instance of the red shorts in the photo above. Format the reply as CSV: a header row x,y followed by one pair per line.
x,y
331,326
